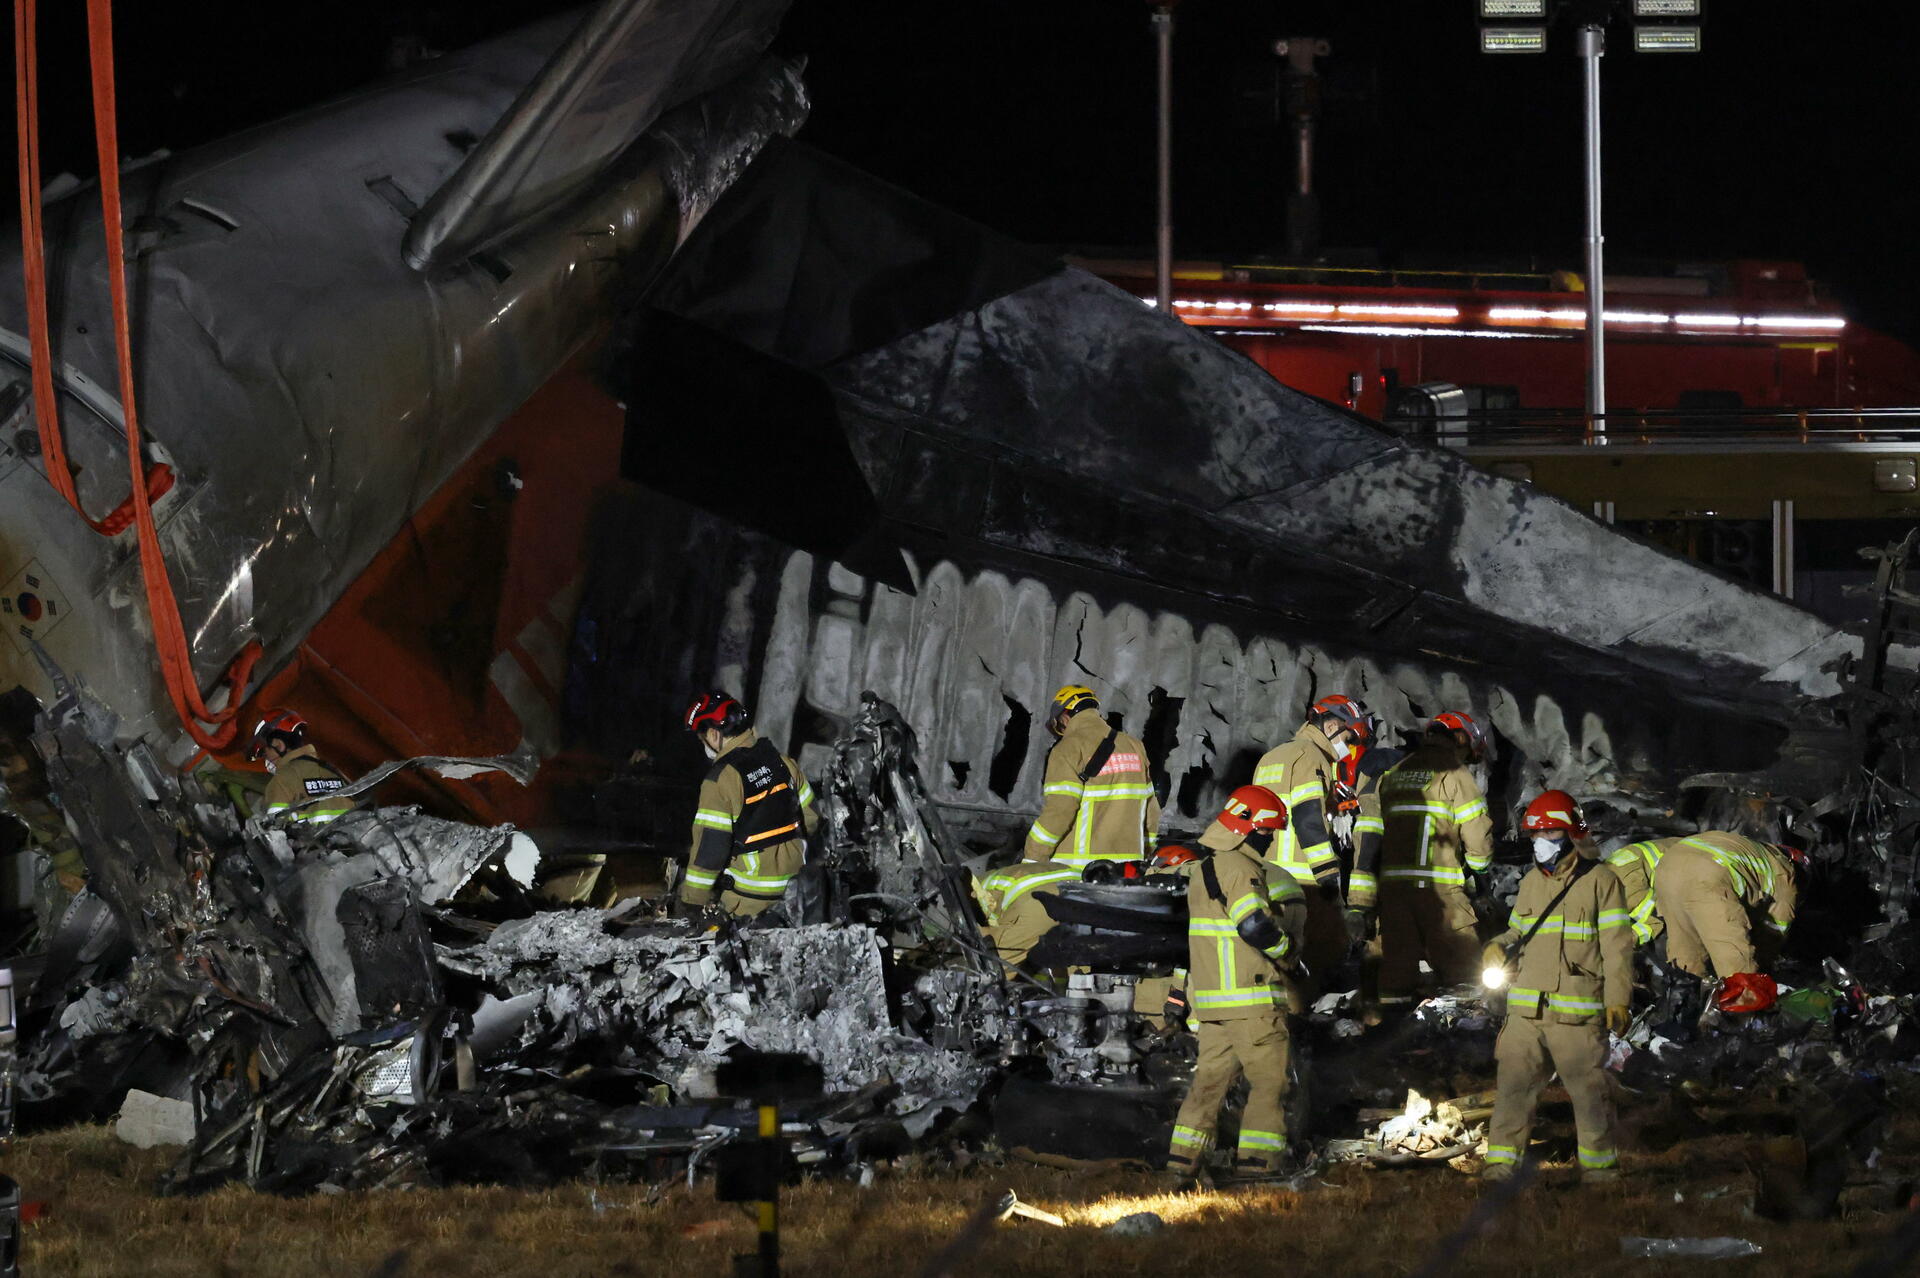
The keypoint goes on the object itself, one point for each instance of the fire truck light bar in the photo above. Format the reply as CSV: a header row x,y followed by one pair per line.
x,y
1828,322
1666,39
1665,8
1513,39
1532,313
1388,330
1333,317
1402,312
1515,9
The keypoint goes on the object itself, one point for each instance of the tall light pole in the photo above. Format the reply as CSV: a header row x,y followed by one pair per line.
x,y
1303,112
1592,45
1163,166
1659,26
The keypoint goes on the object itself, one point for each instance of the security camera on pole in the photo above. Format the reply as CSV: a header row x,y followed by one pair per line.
x,y
1659,26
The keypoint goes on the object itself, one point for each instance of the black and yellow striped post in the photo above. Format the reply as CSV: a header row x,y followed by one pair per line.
x,y
752,1172
770,1169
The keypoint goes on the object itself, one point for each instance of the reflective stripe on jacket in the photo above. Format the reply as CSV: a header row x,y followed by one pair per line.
x,y
1580,962
1003,888
1016,918
1297,772
1112,816
1634,865
755,808
1437,825
1226,977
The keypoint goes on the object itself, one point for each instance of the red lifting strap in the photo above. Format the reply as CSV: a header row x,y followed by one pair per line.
x,y
145,486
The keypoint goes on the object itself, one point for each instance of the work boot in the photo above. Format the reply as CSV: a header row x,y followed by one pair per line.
x,y
1252,1170
1599,1175
1180,1178
1496,1172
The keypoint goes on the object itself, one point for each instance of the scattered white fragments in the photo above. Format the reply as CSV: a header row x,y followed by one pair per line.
x,y
147,1120
1425,1128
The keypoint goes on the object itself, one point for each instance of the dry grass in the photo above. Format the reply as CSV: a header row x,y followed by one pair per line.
x,y
101,1219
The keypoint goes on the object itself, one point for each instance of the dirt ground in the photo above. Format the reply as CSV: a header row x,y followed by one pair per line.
x,y
101,1218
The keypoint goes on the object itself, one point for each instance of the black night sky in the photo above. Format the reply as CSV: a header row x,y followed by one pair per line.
x,y
1791,137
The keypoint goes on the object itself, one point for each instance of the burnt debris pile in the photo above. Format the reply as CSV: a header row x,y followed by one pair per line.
x,y
383,1000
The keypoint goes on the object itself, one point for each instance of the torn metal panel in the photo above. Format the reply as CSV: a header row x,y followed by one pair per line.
x,y
624,63
520,765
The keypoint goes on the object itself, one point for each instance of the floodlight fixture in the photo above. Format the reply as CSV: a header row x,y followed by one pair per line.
x,y
1506,10
1513,39
1667,8
1666,39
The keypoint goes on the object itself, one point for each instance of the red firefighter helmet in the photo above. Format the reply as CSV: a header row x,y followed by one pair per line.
x,y
277,723
1253,807
1351,714
715,710
1173,854
1555,810
1462,722
1747,992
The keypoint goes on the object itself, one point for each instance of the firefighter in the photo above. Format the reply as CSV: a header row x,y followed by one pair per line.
x,y
1245,920
1357,797
1098,801
756,809
1437,831
1566,960
1016,919
300,775
1719,891
1304,773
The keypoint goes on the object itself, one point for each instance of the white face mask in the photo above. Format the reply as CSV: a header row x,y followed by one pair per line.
x,y
1547,851
1341,749
711,752
273,764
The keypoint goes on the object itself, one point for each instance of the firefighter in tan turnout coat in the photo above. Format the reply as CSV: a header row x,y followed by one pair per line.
x,y
1437,831
756,810
1098,803
1566,960
1245,920
1305,774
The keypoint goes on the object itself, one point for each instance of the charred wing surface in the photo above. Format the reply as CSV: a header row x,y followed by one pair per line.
x,y
1036,410
1076,375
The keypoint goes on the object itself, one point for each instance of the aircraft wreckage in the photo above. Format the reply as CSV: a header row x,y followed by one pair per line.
x,y
976,473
